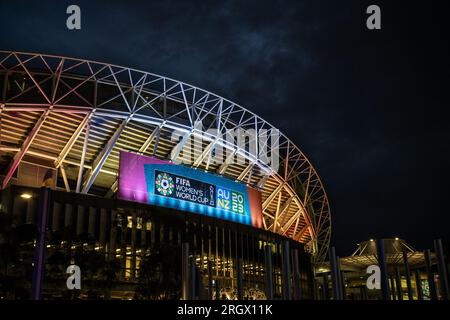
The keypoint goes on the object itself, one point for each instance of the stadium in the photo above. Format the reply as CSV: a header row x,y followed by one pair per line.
x,y
157,189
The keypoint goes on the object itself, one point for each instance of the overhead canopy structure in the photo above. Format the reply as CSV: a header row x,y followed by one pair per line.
x,y
366,254
75,116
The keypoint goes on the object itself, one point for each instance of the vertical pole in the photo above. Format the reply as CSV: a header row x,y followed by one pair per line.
x,y
185,271
334,275
418,285
392,290
286,272
325,286
192,280
296,275
269,282
342,282
398,283
430,275
443,280
239,279
39,258
407,274
382,265
210,283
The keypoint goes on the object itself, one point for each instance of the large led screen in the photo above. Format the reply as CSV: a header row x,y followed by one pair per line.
x,y
157,182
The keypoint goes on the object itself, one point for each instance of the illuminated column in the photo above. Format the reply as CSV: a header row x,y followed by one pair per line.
x,y
268,269
392,290
210,280
133,244
39,257
418,285
239,278
398,283
123,243
430,275
407,274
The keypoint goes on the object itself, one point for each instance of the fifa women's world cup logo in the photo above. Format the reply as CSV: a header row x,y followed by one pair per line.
x,y
164,184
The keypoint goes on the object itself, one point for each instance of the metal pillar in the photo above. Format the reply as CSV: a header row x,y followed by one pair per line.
x,y
430,275
382,265
418,284
210,282
325,286
286,272
334,275
342,281
185,271
269,281
193,278
296,273
392,289
44,205
443,280
407,275
398,283
239,279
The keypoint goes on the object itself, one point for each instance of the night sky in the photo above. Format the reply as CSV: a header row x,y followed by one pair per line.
x,y
369,108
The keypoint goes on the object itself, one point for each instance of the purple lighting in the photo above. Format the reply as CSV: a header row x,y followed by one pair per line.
x,y
132,185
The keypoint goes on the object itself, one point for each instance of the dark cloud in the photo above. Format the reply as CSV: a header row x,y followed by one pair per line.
x,y
368,107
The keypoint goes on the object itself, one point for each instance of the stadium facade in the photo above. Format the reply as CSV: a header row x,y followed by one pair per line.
x,y
144,181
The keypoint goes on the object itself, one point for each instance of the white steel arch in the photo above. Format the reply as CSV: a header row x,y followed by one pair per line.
x,y
76,115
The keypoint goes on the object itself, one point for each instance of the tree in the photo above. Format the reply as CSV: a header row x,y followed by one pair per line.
x,y
160,274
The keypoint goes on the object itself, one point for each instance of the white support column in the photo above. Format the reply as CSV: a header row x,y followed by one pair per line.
x,y
65,151
179,146
83,157
229,159
205,152
269,199
289,223
64,176
149,140
245,172
24,148
281,210
278,211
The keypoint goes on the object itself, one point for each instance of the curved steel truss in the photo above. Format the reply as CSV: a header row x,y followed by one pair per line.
x,y
76,115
